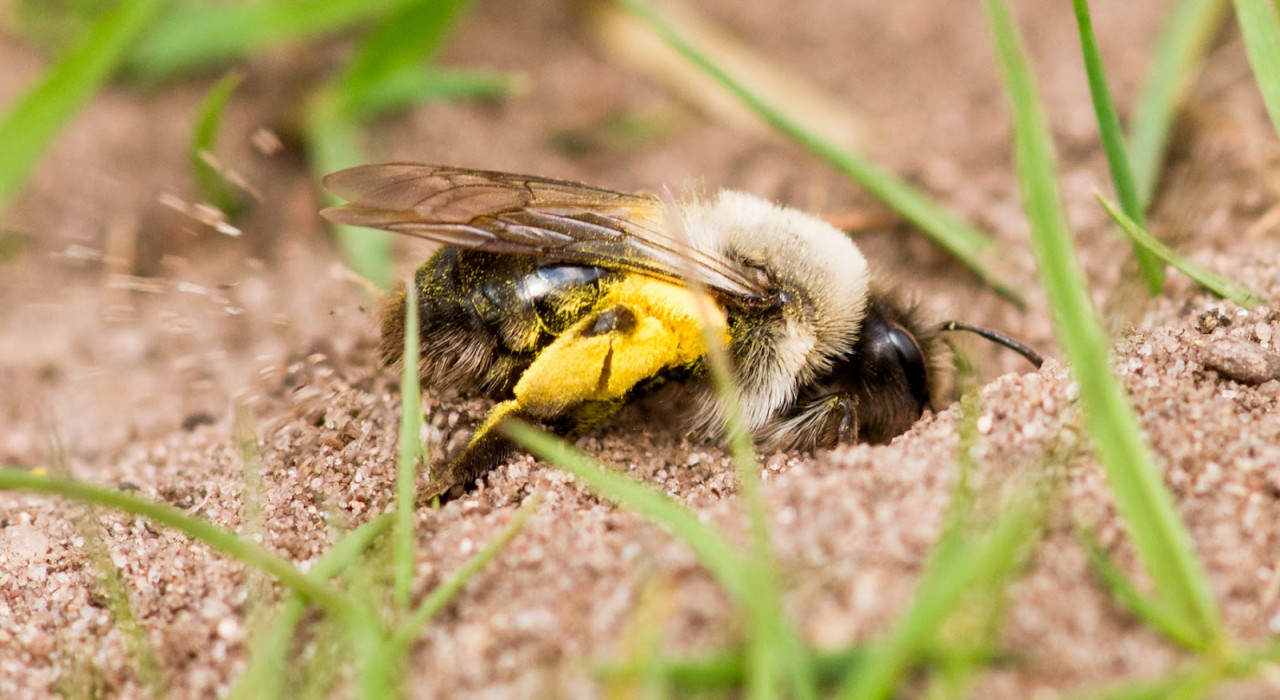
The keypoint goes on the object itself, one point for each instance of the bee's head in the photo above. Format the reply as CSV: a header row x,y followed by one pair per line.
x,y
896,369
892,373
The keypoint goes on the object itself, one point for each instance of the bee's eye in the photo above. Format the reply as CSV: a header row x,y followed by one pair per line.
x,y
912,360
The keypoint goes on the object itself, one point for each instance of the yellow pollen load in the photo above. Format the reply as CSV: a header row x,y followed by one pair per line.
x,y
584,364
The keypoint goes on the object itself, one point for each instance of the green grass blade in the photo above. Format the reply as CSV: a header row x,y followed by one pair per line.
x,y
415,84
447,591
1186,37
715,552
246,551
1167,688
404,41
331,143
1131,598
1160,536
1237,293
210,183
263,679
966,243
375,675
410,450
1261,30
1113,144
729,671
200,35
31,124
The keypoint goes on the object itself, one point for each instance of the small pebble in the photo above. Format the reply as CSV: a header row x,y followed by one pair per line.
x,y
1241,360
1263,332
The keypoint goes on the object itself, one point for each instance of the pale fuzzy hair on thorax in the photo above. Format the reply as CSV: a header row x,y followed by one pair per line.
x,y
800,252
799,249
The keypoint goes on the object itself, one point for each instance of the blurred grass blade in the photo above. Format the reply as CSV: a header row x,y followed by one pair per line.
x,y
626,40
1186,36
30,125
642,674
1261,30
248,552
201,35
715,552
1113,144
773,642
1237,293
324,665
404,41
113,594
1198,680
969,245
448,590
1131,598
959,563
263,679
375,675
1173,687
415,84
728,671
1160,536
381,656
331,142
410,449
210,183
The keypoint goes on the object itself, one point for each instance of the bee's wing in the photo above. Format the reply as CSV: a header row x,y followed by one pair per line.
x,y
528,215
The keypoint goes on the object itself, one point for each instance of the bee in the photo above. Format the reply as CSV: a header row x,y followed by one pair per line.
x,y
564,301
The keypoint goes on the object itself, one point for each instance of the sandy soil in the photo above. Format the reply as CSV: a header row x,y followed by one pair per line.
x,y
133,333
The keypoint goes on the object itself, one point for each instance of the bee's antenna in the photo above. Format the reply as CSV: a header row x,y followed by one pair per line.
x,y
998,338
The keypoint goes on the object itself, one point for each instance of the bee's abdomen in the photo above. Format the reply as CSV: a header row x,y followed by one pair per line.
x,y
485,316
530,307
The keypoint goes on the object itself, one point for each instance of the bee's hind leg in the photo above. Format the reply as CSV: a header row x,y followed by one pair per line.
x,y
487,449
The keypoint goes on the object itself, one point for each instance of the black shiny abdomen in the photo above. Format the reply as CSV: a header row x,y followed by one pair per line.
x,y
485,316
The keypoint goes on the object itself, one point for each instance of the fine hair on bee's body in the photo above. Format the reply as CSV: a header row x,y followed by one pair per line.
x,y
564,302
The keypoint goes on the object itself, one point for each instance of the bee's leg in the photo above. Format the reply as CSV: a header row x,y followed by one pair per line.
x,y
829,421
487,448
846,427
824,422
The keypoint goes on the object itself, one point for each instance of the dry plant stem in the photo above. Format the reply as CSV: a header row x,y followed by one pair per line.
x,y
968,244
